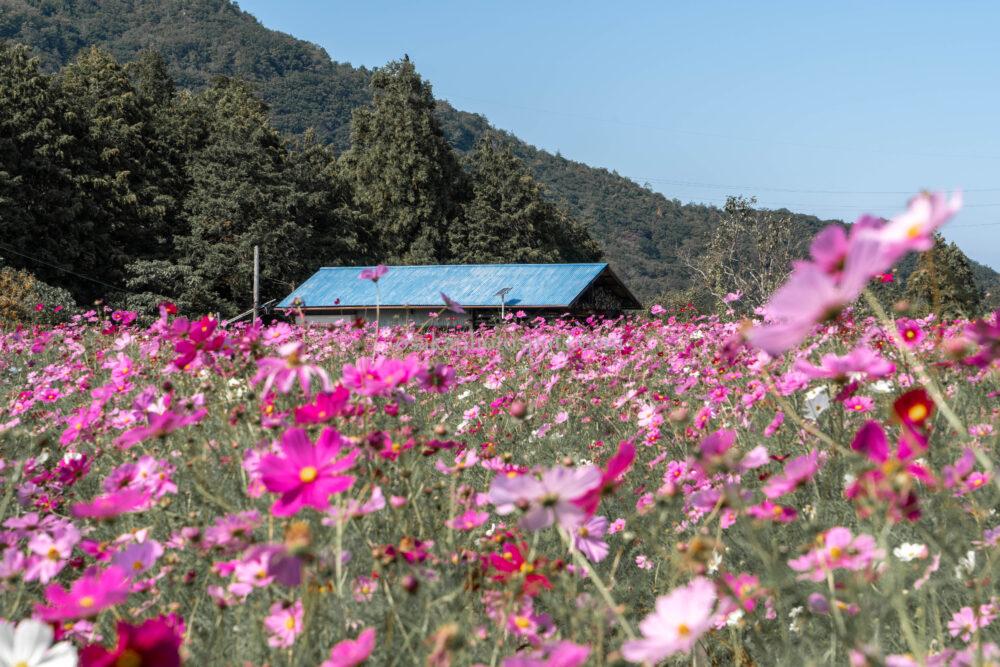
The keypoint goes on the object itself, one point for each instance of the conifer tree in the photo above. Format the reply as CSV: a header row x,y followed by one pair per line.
x,y
508,219
407,181
43,223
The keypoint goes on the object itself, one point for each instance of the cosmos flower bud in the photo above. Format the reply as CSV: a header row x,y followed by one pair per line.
x,y
518,409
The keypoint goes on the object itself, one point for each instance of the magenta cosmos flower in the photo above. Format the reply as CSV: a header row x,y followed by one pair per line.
x,y
306,474
351,652
547,500
680,618
88,596
160,426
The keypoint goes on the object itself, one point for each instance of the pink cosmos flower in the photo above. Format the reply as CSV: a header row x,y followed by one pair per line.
x,y
914,228
797,471
439,378
160,425
281,373
588,538
283,624
112,504
50,553
836,549
88,596
891,481
966,621
373,273
351,652
452,305
611,477
859,404
910,332
325,407
547,500
468,520
860,360
138,557
305,474
680,619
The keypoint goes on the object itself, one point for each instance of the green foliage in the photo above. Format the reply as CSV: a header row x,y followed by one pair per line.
x,y
25,299
943,283
407,181
507,218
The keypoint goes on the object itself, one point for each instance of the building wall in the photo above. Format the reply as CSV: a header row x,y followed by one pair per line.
x,y
394,317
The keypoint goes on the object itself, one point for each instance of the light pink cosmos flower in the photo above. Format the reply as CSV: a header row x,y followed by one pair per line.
x,y
859,360
50,553
837,549
352,652
283,624
588,538
138,557
914,228
966,621
281,373
88,596
547,500
112,504
305,474
680,619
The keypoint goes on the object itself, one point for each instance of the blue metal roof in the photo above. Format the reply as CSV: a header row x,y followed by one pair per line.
x,y
532,285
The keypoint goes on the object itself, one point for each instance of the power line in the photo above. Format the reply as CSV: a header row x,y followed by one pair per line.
x,y
669,181
728,137
65,270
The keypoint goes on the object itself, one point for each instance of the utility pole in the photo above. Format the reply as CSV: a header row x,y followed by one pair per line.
x,y
256,281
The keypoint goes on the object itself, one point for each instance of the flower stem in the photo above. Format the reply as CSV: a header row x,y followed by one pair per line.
x,y
598,584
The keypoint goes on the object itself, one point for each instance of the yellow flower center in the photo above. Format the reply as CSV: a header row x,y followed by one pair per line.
x,y
290,623
910,334
917,412
527,568
87,601
53,553
307,474
836,552
913,232
129,658
137,565
683,630
522,621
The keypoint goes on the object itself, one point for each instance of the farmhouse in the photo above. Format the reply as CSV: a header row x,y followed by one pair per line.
x,y
485,291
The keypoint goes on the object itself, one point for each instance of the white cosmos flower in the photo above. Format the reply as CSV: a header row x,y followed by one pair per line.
x,y
30,645
909,551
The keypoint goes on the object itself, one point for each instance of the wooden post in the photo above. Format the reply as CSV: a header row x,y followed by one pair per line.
x,y
256,281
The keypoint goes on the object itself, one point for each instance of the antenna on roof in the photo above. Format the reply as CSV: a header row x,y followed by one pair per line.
x,y
502,293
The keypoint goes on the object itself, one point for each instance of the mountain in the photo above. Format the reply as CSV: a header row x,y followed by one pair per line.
x,y
640,231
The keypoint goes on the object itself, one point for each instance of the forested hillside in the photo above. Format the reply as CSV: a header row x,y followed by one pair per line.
x,y
642,233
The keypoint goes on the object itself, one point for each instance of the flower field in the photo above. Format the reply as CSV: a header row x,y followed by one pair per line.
x,y
817,487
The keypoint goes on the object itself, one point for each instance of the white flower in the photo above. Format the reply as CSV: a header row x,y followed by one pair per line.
x,y
880,387
817,401
966,565
30,645
909,551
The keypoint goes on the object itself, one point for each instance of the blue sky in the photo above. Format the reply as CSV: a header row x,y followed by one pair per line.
x,y
826,110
